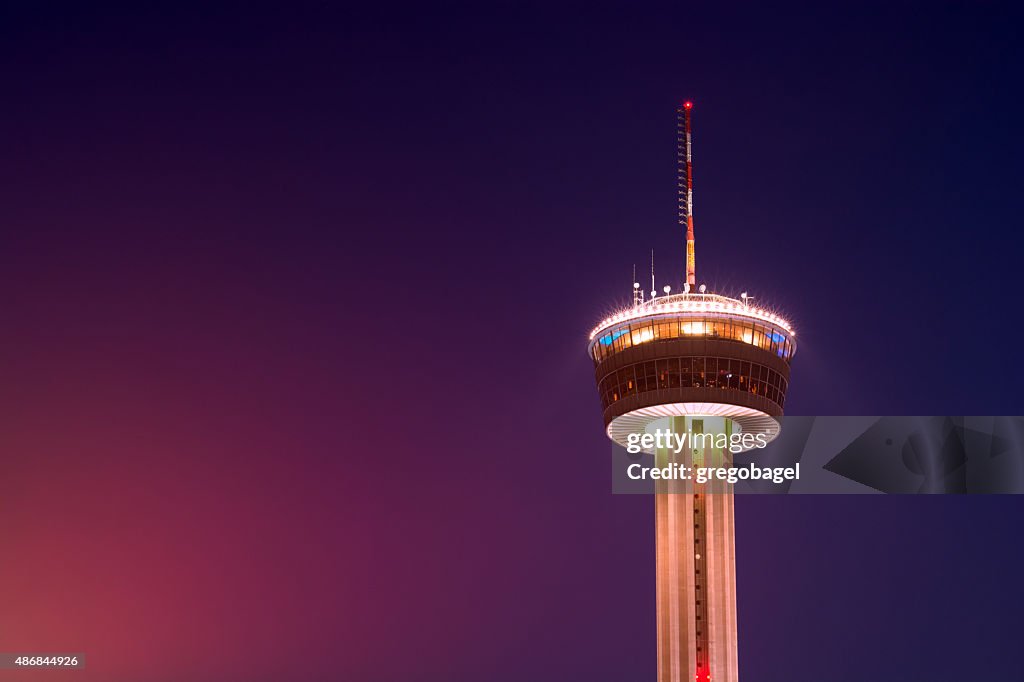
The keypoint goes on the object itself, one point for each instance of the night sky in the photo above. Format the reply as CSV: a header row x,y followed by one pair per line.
x,y
295,303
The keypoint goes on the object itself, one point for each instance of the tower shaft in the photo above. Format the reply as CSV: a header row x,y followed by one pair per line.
x,y
696,569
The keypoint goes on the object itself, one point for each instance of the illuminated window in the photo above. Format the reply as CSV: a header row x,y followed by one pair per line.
x,y
673,372
666,370
711,372
642,333
693,328
650,376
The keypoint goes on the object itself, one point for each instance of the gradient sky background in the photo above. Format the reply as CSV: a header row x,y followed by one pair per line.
x,y
293,382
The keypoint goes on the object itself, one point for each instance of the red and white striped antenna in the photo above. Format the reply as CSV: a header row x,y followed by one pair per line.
x,y
684,171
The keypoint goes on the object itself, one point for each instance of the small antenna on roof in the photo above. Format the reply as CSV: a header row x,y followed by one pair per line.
x,y
654,291
638,293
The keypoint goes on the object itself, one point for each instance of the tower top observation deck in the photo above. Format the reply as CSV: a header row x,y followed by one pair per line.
x,y
691,353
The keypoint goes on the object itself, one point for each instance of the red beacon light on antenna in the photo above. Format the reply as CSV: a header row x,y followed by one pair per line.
x,y
688,104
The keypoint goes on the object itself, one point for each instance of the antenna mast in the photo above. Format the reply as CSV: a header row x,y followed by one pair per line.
x,y
684,186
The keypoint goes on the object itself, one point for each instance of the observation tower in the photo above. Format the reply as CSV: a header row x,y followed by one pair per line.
x,y
693,362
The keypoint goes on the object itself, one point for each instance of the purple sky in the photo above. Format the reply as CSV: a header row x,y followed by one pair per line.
x,y
293,381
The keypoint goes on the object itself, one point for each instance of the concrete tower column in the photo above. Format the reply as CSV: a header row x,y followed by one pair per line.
x,y
696,564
